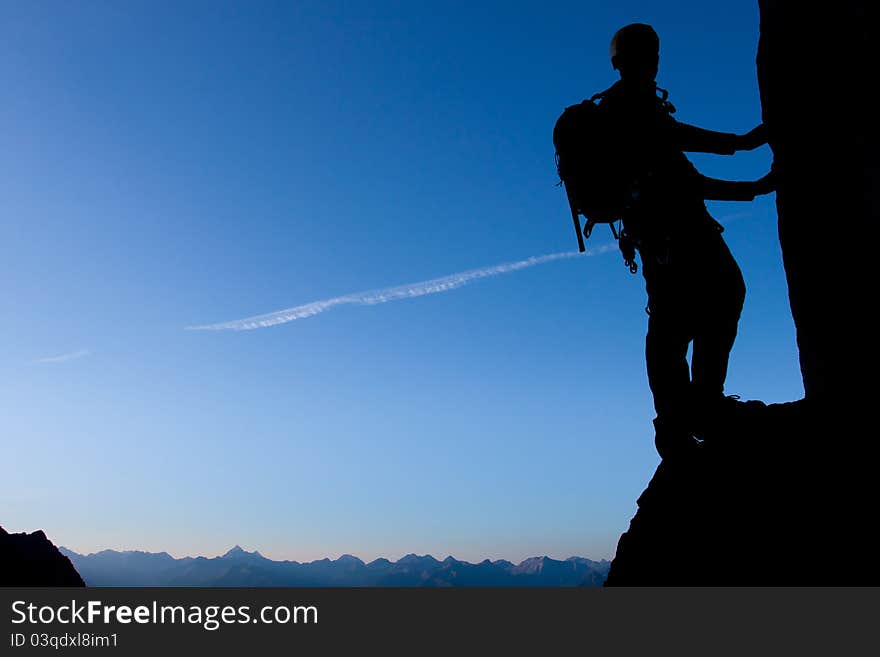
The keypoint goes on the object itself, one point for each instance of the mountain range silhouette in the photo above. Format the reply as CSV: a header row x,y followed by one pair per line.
x,y
241,568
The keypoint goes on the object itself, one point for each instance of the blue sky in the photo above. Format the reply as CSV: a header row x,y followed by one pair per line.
x,y
174,164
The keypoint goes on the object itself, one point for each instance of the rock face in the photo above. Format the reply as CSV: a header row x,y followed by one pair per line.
x,y
32,560
814,75
725,516
783,494
760,503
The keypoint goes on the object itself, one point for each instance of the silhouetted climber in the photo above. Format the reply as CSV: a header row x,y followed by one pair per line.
x,y
799,477
695,288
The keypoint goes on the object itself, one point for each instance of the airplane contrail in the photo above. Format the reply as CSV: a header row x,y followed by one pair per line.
x,y
384,295
63,358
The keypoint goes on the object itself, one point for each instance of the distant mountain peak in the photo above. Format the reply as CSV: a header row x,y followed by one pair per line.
x,y
536,564
381,562
414,558
532,560
236,552
349,558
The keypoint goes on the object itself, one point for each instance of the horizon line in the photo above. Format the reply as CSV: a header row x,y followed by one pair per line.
x,y
341,556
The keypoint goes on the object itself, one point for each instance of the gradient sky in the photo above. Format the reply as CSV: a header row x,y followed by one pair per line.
x,y
165,165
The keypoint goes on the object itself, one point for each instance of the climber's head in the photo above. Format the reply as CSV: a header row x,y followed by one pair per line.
x,y
635,52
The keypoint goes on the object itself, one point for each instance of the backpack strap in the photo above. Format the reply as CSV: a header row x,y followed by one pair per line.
x,y
577,221
601,94
668,106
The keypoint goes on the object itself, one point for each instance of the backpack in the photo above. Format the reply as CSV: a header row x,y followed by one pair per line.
x,y
593,171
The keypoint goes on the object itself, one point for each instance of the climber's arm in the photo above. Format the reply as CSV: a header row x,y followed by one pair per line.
x,y
729,190
691,138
